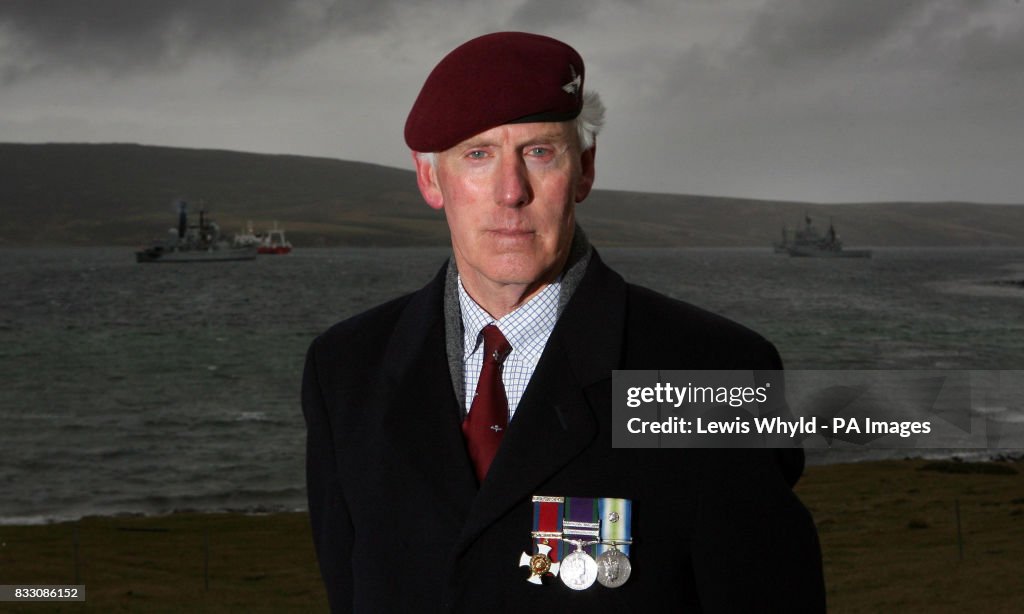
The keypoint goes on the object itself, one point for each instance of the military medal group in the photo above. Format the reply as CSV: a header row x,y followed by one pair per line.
x,y
596,529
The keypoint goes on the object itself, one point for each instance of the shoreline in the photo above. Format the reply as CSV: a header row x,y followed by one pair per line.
x,y
896,535
43,521
813,461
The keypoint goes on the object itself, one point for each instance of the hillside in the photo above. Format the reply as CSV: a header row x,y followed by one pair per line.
x,y
120,194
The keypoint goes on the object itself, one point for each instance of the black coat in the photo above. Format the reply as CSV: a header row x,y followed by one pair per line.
x,y
400,524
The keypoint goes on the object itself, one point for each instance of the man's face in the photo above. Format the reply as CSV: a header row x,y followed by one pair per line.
x,y
509,195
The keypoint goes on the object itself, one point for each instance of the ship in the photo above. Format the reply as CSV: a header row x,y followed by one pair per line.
x,y
201,242
247,237
273,242
808,242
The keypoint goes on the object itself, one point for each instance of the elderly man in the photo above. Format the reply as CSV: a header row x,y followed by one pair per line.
x,y
459,452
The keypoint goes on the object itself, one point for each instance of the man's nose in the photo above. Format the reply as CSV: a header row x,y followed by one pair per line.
x,y
512,188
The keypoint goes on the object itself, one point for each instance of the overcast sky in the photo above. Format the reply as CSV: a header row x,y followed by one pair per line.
x,y
811,100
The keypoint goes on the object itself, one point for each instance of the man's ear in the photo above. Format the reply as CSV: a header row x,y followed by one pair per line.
x,y
586,180
426,179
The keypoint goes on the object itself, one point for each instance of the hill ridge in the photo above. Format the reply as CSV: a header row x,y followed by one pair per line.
x,y
124,194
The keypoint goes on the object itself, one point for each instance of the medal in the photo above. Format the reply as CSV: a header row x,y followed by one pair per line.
x,y
581,527
600,530
613,568
540,564
547,531
579,570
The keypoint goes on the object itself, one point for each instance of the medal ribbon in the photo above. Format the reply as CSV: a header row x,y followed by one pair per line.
x,y
582,521
547,524
616,523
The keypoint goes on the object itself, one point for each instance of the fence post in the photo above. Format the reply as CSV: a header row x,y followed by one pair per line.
x,y
206,558
74,551
959,532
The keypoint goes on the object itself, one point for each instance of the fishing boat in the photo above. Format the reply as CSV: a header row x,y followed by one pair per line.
x,y
274,242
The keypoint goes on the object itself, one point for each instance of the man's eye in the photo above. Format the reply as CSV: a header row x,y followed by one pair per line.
x,y
476,155
539,151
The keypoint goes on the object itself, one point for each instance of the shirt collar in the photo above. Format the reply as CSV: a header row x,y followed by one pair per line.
x,y
524,327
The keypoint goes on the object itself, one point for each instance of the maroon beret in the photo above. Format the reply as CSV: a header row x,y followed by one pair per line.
x,y
496,79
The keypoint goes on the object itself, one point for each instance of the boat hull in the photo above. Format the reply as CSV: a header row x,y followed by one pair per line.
x,y
194,255
275,249
799,252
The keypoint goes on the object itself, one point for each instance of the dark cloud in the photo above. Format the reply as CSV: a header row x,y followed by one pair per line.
x,y
804,45
118,36
896,34
804,99
791,31
990,48
539,15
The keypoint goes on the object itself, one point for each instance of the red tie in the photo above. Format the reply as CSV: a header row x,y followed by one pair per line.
x,y
488,415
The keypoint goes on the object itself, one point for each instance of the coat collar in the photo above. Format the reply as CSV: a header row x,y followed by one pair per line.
x,y
580,252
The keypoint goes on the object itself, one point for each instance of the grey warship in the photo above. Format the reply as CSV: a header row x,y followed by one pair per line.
x,y
201,242
808,242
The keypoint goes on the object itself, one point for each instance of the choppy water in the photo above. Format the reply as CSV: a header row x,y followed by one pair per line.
x,y
147,388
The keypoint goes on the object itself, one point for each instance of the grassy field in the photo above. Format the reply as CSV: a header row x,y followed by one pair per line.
x,y
176,563
888,531
889,535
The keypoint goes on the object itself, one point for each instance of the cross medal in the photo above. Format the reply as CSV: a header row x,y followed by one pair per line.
x,y
540,564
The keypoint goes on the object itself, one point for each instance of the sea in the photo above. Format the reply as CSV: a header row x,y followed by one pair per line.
x,y
132,388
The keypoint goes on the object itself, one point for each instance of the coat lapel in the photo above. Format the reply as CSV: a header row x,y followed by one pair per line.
x,y
421,420
555,421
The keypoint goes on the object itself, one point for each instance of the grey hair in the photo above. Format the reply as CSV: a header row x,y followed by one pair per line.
x,y
590,120
588,124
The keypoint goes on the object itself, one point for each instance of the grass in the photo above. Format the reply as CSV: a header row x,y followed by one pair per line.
x,y
888,532
261,563
889,536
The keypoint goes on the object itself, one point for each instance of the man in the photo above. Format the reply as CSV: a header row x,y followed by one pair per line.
x,y
433,420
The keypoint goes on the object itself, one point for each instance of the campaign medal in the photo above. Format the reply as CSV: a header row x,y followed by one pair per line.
x,y
579,570
547,534
613,566
582,528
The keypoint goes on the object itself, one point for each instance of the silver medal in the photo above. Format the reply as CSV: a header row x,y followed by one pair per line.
x,y
613,568
578,571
